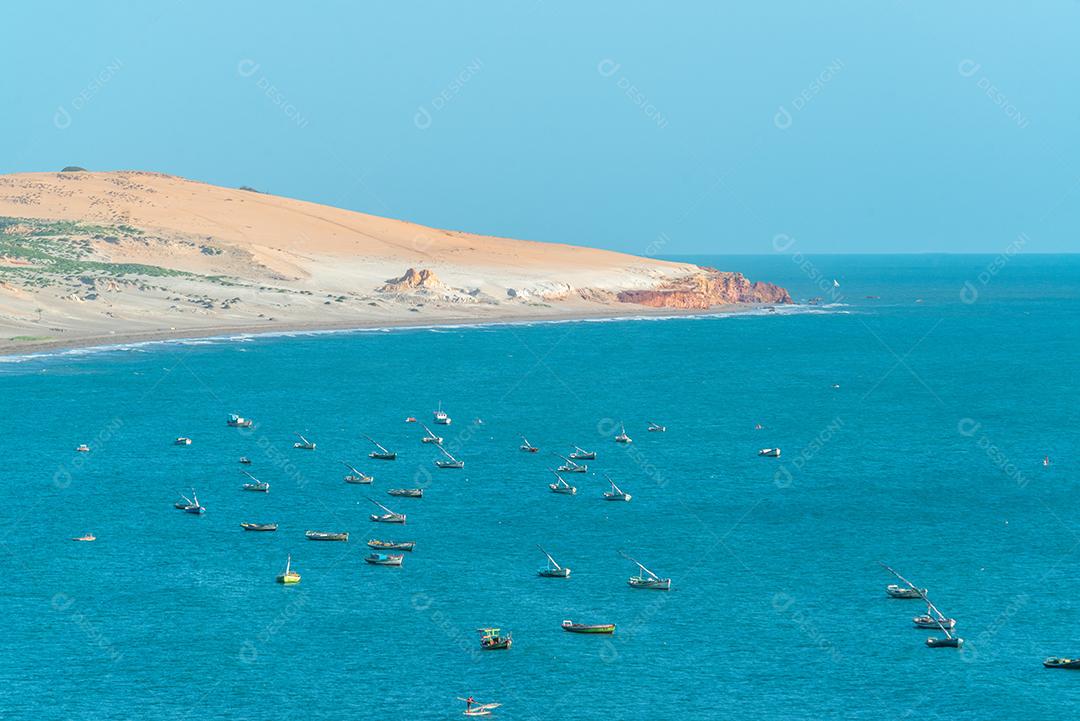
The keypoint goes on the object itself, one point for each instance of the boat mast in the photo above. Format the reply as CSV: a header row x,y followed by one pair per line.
x,y
552,560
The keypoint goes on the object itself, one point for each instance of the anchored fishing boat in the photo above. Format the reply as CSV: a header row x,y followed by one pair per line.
x,y
569,466
605,628
303,443
1055,662
288,576
382,453
190,505
526,446
474,708
553,570
385,559
326,536
259,526
896,591
256,484
933,618
407,492
580,454
449,461
410,419
82,448
357,476
616,493
561,486
492,640
182,441
388,517
245,461
440,416
236,421
647,579
87,537
391,545
656,428
622,437
769,452
430,437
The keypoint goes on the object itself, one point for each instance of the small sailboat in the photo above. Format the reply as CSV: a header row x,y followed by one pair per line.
x,y
769,452
385,559
656,428
950,641
440,416
474,708
236,421
647,579
604,628
256,484
303,443
192,505
259,526
357,476
580,454
87,537
430,437
391,545
288,576
933,618
82,448
527,447
616,493
387,517
1046,461
449,461
182,441
491,639
561,486
622,437
382,453
183,503
326,536
553,570
407,492
1055,662
569,466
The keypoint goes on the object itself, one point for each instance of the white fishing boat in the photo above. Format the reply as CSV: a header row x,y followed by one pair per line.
x,y
357,476
896,591
933,618
656,428
646,579
616,493
580,454
82,448
769,452
388,516
440,416
382,453
569,466
194,506
449,461
182,441
430,437
553,570
622,437
303,443
561,486
236,421
256,484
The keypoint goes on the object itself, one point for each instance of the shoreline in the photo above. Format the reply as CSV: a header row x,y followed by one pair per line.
x,y
10,348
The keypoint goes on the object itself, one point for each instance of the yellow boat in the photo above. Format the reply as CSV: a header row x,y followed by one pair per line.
x,y
289,575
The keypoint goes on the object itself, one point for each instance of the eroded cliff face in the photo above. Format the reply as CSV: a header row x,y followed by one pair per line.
x,y
708,288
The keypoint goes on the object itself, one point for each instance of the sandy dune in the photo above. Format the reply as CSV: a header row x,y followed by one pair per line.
x,y
87,256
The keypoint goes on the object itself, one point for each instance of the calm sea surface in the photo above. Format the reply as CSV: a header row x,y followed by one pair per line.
x,y
928,457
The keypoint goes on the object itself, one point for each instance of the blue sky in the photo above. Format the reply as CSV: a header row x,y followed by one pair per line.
x,y
653,128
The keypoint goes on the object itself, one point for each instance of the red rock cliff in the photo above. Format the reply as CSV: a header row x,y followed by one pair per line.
x,y
708,288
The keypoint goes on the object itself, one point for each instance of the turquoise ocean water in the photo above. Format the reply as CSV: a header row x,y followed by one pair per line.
x,y
928,456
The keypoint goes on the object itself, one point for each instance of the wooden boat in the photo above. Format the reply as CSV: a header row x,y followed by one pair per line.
x,y
440,416
256,484
472,708
236,421
391,545
622,437
388,517
182,441
492,640
526,446
382,454
616,493
87,537
82,448
553,570
1055,662
581,454
407,492
646,579
244,460
326,536
769,452
449,461
561,486
259,526
606,628
357,476
430,437
303,443
569,466
656,428
896,591
385,559
933,618
288,576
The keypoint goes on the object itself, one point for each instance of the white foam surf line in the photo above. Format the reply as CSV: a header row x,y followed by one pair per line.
x,y
247,337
